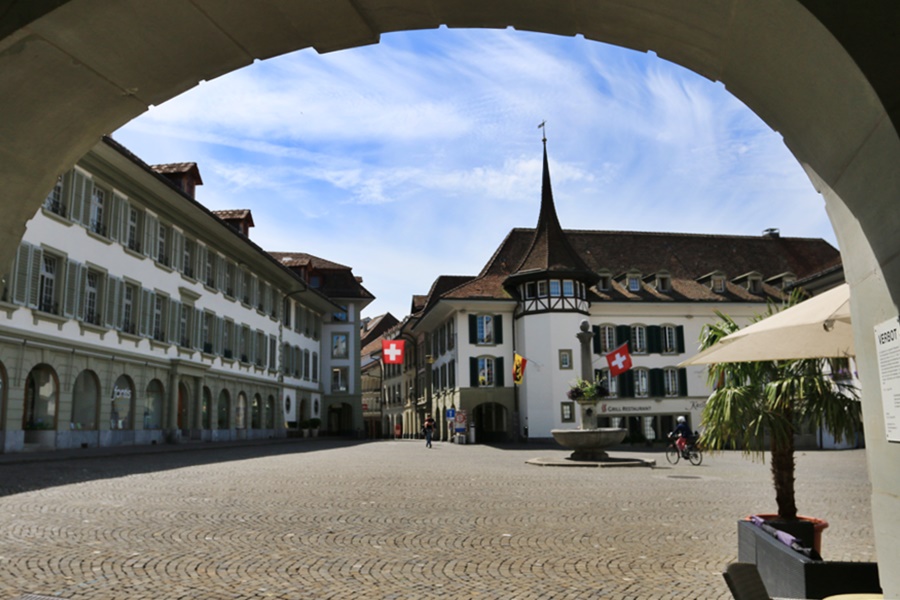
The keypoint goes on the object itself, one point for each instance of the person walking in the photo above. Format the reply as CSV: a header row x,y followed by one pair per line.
x,y
428,428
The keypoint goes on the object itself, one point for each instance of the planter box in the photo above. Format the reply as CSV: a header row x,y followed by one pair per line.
x,y
789,574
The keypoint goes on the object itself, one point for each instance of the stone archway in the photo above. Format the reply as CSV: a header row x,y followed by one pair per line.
x,y
820,72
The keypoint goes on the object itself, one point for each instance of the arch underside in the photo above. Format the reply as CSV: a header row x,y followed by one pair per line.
x,y
820,72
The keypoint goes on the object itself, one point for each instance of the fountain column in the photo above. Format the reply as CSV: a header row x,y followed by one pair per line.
x,y
588,407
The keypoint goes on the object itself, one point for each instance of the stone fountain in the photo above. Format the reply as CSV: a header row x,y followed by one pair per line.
x,y
588,443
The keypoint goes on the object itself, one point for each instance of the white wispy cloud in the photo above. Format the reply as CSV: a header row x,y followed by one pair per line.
x,y
414,158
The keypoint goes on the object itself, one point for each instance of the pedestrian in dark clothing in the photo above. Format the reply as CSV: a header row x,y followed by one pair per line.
x,y
428,428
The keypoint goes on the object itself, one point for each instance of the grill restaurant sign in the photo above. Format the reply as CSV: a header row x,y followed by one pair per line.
x,y
611,409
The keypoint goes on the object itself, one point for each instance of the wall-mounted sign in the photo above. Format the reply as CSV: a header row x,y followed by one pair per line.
x,y
887,346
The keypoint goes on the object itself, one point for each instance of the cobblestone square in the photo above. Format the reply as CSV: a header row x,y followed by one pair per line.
x,y
393,520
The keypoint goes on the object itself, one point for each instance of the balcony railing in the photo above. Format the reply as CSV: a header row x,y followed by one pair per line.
x,y
92,317
56,207
129,327
134,245
98,227
49,307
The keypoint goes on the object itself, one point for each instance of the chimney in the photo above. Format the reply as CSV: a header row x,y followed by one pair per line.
x,y
771,233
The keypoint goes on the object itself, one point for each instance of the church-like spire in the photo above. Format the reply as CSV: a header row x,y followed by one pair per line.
x,y
550,253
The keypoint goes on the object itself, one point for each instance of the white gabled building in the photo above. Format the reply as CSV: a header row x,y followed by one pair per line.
x,y
654,291
134,315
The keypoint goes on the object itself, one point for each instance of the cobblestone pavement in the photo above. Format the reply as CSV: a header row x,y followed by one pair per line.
x,y
393,520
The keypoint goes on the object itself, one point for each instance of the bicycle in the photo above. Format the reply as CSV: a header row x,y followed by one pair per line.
x,y
691,453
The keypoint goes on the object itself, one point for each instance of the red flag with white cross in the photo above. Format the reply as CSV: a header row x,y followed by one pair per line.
x,y
619,360
392,352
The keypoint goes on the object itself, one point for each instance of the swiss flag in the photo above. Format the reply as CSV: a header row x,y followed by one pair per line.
x,y
392,352
619,360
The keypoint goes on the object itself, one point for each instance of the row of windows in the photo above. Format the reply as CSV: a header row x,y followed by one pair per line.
x,y
300,363
669,382
641,339
113,217
444,377
553,288
59,286
304,320
662,281
443,339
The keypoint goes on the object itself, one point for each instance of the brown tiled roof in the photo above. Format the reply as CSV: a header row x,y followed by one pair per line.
x,y
441,286
302,259
237,214
418,303
377,326
686,257
178,168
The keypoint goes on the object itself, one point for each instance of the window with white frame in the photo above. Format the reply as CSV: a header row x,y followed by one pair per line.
x,y
607,338
542,289
129,295
634,283
611,383
669,339
339,379
485,371
91,309
663,283
162,237
133,234
98,199
54,201
47,288
638,339
485,329
339,345
670,382
641,383
159,318
209,274
718,283
568,288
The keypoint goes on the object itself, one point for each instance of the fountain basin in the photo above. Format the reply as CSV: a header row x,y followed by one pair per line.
x,y
589,444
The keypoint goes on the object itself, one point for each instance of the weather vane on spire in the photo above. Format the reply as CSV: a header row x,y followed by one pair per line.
x,y
543,129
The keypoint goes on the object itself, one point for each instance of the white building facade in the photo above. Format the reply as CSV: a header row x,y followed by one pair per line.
x,y
133,315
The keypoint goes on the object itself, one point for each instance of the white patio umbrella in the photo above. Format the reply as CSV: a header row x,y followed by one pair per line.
x,y
816,328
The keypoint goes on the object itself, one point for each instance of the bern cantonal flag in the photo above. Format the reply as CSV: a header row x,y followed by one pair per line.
x,y
519,363
392,352
619,360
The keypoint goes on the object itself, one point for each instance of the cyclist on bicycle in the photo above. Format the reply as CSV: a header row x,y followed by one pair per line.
x,y
682,434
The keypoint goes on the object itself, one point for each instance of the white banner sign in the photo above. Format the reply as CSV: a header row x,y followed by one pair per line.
x,y
887,346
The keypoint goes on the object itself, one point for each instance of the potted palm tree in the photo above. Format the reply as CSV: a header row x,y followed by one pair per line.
x,y
757,406
314,424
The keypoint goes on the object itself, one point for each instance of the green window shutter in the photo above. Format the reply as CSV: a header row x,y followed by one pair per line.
x,y
473,329
75,282
174,309
37,259
22,282
151,236
80,184
682,382
654,339
626,384
220,335
679,338
657,384
147,300
596,340
113,294
176,260
113,227
498,329
623,334
197,326
473,372
499,372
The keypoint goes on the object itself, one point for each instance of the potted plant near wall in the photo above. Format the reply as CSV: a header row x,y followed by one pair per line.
x,y
304,427
314,424
757,406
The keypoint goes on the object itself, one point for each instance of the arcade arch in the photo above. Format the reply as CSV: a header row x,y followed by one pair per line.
x,y
819,72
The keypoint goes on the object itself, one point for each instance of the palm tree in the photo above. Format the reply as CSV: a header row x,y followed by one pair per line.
x,y
757,405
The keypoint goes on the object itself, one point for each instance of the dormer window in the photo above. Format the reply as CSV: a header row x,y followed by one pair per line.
x,y
754,285
663,283
604,283
633,282
717,283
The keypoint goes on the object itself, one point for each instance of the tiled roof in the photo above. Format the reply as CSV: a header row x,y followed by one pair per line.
x,y
686,258
301,259
442,286
234,214
178,168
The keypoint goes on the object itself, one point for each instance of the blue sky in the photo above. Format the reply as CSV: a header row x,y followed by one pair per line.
x,y
413,158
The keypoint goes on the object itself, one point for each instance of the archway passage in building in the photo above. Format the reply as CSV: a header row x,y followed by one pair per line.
x,y
491,423
820,72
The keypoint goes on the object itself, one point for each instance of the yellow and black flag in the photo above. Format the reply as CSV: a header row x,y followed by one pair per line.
x,y
519,363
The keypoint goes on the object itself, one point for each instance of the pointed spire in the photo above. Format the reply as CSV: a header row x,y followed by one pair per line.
x,y
550,252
